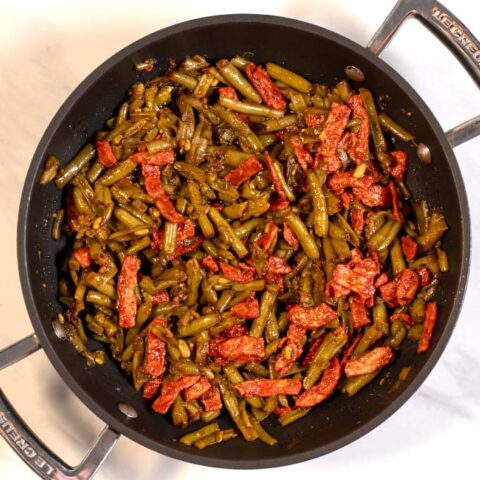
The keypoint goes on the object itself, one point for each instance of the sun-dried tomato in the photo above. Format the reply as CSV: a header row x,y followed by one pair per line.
x,y
409,247
244,171
185,246
248,309
159,298
151,388
228,92
359,279
408,283
425,276
402,289
347,353
289,236
82,256
184,230
293,346
265,387
264,85
402,317
358,144
312,351
155,188
277,264
431,312
243,273
332,133
398,169
338,181
303,157
373,196
357,219
346,199
212,401
242,349
397,214
170,391
311,317
323,389
313,120
359,314
105,154
275,180
126,284
369,363
269,236
197,390
161,158
210,264
155,352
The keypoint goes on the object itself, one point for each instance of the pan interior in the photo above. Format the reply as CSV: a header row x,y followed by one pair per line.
x,y
320,56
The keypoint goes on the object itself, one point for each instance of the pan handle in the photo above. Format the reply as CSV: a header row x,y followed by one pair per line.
x,y
30,448
451,32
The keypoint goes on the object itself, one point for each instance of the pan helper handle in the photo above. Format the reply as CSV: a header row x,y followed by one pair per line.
x,y
32,450
451,32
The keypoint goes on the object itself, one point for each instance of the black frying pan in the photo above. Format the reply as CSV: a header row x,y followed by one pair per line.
x,y
320,55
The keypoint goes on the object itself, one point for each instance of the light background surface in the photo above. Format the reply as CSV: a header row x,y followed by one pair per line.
x,y
47,48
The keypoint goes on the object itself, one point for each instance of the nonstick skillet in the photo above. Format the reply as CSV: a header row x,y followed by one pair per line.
x,y
320,55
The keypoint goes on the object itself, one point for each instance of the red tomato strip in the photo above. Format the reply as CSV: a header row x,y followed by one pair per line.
x,y
170,391
264,85
332,133
164,157
401,164
127,300
303,157
284,362
105,154
154,187
244,171
431,312
409,247
247,310
242,274
197,390
242,349
264,387
370,362
311,318
358,145
82,256
323,389
269,236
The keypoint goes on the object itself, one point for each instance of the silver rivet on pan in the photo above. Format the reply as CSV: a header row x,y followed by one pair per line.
x,y
59,330
354,73
423,154
127,410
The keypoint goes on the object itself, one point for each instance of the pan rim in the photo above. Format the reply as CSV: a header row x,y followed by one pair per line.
x,y
124,428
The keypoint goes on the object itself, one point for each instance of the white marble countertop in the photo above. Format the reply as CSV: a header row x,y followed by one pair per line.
x,y
47,48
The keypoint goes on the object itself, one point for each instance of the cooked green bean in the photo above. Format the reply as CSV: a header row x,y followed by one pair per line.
x,y
396,257
306,240
289,78
224,228
375,129
249,108
235,78
389,124
78,163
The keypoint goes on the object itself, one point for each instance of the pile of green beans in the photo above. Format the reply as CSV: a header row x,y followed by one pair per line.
x,y
110,215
